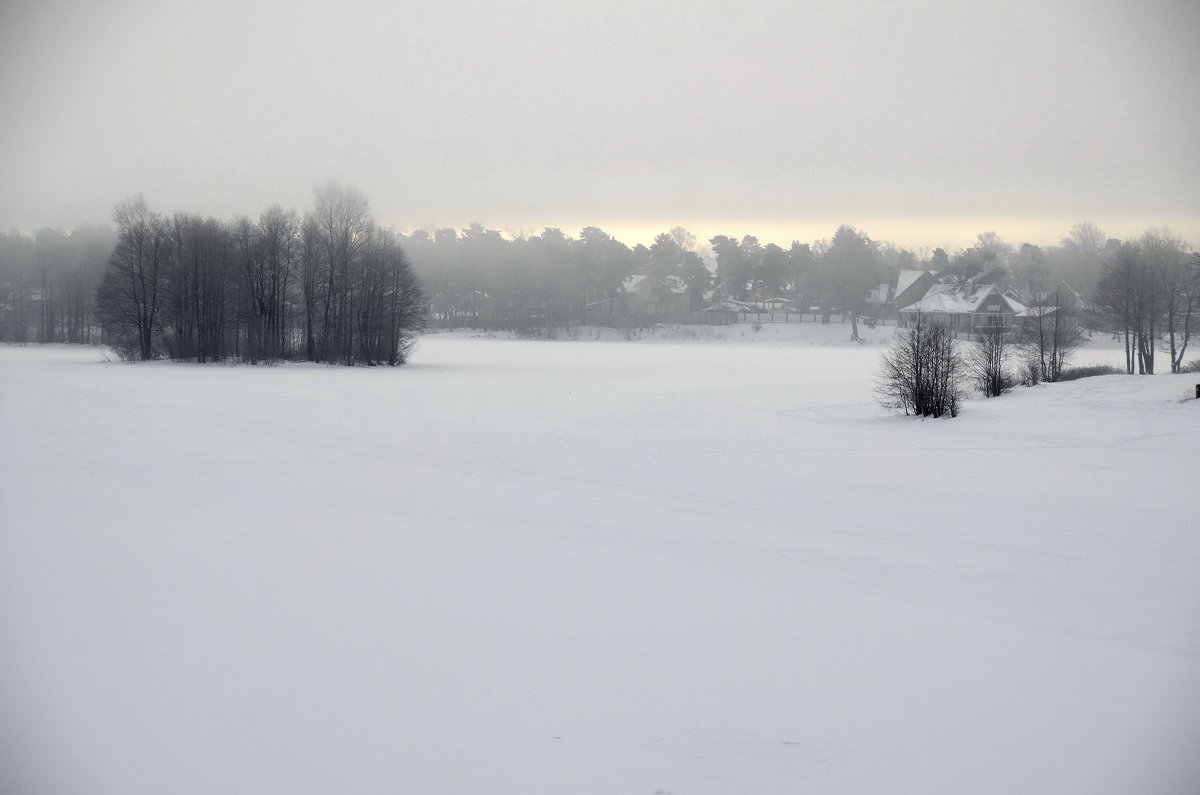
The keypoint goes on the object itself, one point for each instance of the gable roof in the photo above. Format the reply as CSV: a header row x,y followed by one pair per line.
x,y
906,279
1017,307
911,285
951,298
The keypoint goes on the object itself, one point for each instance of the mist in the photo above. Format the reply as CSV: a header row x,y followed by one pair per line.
x,y
518,397
924,122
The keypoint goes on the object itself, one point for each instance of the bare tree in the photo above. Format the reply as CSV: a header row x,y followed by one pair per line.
x,y
1173,278
362,302
1082,254
922,372
343,225
1147,308
989,356
16,256
1050,334
1188,317
406,305
93,245
1116,297
197,290
267,250
391,307
49,248
682,238
128,295
312,276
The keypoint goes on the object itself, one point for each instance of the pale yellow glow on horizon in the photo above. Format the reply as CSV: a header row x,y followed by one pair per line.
x,y
919,235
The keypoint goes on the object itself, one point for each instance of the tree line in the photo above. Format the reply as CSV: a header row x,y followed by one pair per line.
x,y
481,277
48,284
334,286
331,286
1146,290
1149,292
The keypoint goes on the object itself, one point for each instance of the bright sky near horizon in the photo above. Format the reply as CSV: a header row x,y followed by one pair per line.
x,y
922,122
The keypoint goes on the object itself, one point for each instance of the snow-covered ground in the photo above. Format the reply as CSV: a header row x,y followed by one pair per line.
x,y
564,567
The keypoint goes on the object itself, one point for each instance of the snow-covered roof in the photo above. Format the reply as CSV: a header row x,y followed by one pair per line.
x,y
906,279
730,305
1016,306
951,298
1038,311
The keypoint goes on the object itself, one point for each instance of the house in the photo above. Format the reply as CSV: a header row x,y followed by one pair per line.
x,y
779,305
648,298
966,307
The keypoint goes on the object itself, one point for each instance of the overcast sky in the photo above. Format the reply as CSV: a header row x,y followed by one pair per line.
x,y
919,122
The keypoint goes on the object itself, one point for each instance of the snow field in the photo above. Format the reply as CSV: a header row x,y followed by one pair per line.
x,y
542,567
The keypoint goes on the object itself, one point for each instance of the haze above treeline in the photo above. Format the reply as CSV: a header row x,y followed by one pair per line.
x,y
436,250
919,237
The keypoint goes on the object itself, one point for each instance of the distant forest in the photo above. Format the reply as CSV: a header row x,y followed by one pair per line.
x,y
334,286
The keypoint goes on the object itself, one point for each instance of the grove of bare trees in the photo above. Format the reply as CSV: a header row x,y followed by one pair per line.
x,y
331,287
1149,293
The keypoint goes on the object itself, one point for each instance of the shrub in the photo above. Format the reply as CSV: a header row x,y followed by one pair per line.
x,y
986,360
1191,367
922,372
1031,374
1088,370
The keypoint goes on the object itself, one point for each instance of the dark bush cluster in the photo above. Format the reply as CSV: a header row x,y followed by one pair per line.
x,y
922,372
1089,370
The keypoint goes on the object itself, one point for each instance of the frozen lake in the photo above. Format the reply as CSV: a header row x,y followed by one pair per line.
x,y
711,566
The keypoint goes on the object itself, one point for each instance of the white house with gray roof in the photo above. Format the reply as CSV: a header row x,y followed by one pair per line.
x,y
966,307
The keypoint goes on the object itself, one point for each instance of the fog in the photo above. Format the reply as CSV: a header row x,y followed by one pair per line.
x,y
922,122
